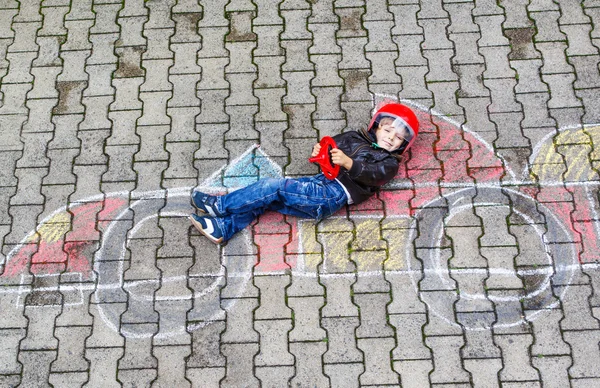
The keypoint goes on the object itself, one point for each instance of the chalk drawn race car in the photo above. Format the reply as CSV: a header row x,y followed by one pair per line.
x,y
523,234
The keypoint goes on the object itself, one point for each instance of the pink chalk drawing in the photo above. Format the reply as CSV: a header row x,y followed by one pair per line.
x,y
450,176
64,241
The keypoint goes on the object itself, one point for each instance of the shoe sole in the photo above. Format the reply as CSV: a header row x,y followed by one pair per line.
x,y
198,226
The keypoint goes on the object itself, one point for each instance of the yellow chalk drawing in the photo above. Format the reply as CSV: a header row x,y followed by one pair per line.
x,y
578,146
54,229
398,242
350,245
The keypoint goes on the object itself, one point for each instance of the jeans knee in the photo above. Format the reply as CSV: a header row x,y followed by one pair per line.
x,y
271,184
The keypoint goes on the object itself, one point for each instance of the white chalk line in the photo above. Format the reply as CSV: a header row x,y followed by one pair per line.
x,y
86,286
90,286
162,194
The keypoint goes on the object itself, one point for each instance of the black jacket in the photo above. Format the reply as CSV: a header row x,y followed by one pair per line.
x,y
372,166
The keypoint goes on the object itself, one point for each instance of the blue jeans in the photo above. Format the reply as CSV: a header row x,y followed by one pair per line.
x,y
308,197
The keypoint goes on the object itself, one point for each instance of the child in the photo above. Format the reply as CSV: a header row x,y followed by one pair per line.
x,y
368,159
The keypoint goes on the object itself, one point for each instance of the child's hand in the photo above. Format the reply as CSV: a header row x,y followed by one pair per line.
x,y
316,150
339,157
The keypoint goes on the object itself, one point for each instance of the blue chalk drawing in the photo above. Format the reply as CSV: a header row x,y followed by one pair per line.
x,y
249,167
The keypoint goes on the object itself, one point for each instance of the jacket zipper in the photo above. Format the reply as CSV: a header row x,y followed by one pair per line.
x,y
358,149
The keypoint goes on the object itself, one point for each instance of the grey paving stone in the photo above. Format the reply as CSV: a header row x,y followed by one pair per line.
x,y
69,379
24,39
75,310
105,333
432,10
11,140
274,376
534,109
461,17
171,365
10,350
585,70
414,373
81,11
352,49
470,78
44,81
92,147
439,65
241,127
405,19
272,297
553,369
103,58
564,114
181,156
465,44
343,375
9,160
239,364
491,35
576,308
237,316
77,37
341,340
14,99
306,319
339,302
446,359
205,346
36,366
371,312
205,377
5,219
137,354
497,64
516,15
120,160
503,95
183,124
309,365
132,377
71,349
547,26
516,359
484,371
131,31
28,188
562,94
579,40
584,382
378,370
273,343
409,336
554,59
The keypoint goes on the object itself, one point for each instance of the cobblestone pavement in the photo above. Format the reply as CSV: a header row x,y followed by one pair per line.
x,y
478,265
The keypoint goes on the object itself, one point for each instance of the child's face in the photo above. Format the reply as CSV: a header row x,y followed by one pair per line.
x,y
388,137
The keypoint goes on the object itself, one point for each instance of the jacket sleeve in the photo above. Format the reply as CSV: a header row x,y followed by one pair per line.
x,y
373,173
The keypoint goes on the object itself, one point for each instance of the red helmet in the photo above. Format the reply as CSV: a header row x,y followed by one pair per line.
x,y
405,121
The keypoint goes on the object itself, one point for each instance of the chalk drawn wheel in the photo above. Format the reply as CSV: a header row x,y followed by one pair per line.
x,y
110,268
553,265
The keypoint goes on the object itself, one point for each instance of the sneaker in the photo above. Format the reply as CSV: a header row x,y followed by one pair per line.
x,y
208,227
205,203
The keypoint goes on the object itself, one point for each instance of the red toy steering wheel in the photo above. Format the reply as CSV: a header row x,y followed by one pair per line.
x,y
323,159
